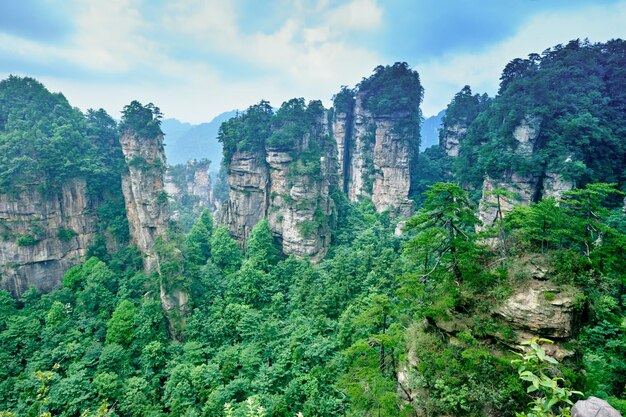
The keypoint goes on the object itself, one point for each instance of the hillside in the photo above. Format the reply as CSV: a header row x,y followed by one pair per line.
x,y
346,273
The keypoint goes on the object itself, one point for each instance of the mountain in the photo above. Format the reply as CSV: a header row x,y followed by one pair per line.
x,y
184,141
430,130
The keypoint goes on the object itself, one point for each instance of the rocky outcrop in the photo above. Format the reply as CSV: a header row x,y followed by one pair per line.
x,y
189,185
594,407
44,235
522,187
248,181
526,134
300,207
525,188
361,153
379,160
541,309
392,166
289,187
450,138
341,129
144,192
554,185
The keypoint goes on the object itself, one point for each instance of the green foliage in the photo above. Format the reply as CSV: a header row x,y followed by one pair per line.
x,y
65,235
225,253
142,120
580,124
247,131
550,396
463,109
26,240
343,101
46,142
444,232
260,247
393,89
198,243
120,328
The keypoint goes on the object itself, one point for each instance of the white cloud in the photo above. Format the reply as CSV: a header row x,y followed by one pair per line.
x,y
356,15
444,76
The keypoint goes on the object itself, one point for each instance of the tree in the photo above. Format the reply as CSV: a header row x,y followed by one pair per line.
x,y
551,397
120,328
500,194
587,206
260,247
142,120
198,242
225,252
444,231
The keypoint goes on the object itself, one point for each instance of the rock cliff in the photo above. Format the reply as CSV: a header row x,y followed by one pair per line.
x,y
44,235
450,138
527,188
248,178
144,192
375,160
285,165
189,188
289,187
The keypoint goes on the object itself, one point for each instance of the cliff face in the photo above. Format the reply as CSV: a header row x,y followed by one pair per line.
x,y
379,160
248,178
144,192
527,187
450,138
43,236
189,186
289,187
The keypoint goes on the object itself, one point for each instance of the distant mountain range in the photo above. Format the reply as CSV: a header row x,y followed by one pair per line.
x,y
184,141
430,130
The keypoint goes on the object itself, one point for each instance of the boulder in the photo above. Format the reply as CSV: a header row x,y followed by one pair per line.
x,y
594,407
541,309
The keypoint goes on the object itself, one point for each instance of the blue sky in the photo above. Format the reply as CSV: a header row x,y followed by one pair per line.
x,y
197,58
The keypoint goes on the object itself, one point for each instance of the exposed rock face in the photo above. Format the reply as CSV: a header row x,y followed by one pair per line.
x,y
144,192
451,137
299,209
342,131
361,153
554,185
44,236
527,188
594,407
526,134
248,179
379,160
541,309
392,165
274,185
190,180
524,188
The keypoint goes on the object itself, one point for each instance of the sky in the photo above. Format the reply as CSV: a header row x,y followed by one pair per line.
x,y
198,58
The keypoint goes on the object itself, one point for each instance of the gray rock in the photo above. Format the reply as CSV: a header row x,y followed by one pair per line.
x,y
540,309
594,407
42,216
143,187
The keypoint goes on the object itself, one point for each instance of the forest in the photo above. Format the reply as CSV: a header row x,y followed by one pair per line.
x,y
402,317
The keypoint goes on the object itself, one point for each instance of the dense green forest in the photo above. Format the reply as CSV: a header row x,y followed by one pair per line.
x,y
387,324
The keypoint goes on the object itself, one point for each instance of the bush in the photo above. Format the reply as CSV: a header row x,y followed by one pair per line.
x,y
26,240
65,235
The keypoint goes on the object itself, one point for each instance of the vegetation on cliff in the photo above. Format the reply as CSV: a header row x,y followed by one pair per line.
x,y
580,116
386,324
44,142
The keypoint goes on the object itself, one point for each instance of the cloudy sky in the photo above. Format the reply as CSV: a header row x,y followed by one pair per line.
x,y
197,58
